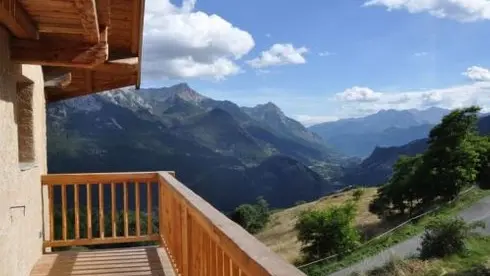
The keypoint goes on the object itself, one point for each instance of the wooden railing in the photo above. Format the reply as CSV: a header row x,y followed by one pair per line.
x,y
198,238
85,200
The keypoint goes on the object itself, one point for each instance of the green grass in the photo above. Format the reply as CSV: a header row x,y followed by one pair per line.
x,y
399,235
478,254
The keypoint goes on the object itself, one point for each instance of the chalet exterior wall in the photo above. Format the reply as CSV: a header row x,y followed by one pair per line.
x,y
21,202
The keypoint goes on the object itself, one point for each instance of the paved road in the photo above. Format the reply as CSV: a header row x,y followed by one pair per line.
x,y
478,211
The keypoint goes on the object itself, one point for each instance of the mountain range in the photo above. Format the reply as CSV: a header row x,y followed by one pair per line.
x,y
227,154
360,136
377,168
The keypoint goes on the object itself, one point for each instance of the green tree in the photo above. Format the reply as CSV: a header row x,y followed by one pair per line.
x,y
452,159
329,231
252,218
456,157
399,193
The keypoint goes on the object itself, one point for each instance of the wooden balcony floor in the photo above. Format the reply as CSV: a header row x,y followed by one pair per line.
x,y
134,261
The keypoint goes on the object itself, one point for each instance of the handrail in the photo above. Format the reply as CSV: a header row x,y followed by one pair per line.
x,y
85,193
198,238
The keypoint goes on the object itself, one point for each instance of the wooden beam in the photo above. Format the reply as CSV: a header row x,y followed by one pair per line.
x,y
56,77
88,17
99,53
140,48
16,19
58,94
59,52
104,12
120,66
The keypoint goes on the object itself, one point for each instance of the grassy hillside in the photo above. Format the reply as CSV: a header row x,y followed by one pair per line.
x,y
280,235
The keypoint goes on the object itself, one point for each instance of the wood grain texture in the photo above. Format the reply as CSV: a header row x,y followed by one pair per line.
x,y
242,253
87,12
17,20
140,261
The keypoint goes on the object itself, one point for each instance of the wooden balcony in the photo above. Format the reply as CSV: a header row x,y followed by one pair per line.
x,y
185,235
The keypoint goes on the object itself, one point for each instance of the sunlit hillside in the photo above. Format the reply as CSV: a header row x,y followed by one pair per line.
x,y
280,235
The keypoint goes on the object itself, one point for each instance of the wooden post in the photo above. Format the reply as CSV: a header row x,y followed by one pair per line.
x,y
63,212
137,207
77,213
101,211
148,208
161,217
113,210
89,212
125,212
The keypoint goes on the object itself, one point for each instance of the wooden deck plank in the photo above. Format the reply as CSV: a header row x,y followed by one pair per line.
x,y
137,261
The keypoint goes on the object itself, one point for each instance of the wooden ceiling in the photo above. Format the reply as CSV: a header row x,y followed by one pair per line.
x,y
84,46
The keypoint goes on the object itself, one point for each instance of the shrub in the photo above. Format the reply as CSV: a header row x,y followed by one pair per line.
x,y
446,236
329,231
358,193
252,218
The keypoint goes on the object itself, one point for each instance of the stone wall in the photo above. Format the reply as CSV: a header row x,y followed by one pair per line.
x,y
22,162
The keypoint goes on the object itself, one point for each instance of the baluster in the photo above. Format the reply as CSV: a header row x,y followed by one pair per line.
x,y
125,195
77,212
89,212
63,212
148,208
113,209
101,210
51,212
137,206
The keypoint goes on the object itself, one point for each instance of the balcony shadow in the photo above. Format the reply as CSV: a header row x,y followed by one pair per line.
x,y
143,261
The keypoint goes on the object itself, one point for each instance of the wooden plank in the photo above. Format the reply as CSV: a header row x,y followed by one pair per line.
x,y
88,17
88,81
104,12
56,77
186,233
113,210
58,52
137,207
161,217
135,26
140,46
94,241
77,212
148,208
51,212
98,53
89,211
125,211
65,179
57,28
101,211
119,66
63,212
17,20
250,256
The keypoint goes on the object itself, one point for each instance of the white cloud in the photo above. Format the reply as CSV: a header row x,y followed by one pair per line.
x,y
359,94
326,54
268,35
477,93
309,120
279,54
461,10
477,73
420,54
182,43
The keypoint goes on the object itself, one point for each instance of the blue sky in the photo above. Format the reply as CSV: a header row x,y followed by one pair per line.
x,y
322,60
